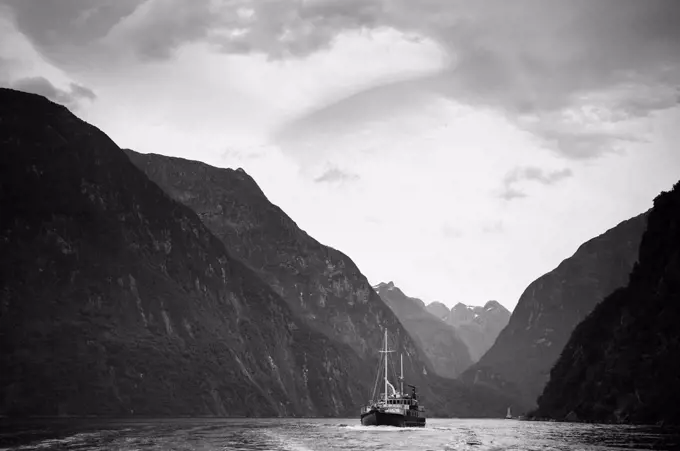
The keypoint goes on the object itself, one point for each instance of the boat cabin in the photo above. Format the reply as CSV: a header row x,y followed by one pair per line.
x,y
402,401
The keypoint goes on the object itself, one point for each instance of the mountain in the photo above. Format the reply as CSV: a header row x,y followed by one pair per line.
x,y
445,350
439,310
117,300
477,326
621,363
321,285
552,306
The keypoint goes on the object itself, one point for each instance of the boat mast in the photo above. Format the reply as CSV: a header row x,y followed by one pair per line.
x,y
385,352
401,378
385,365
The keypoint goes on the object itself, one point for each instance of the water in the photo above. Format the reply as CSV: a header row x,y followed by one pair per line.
x,y
327,435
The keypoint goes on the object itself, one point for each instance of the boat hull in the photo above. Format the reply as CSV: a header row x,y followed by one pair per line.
x,y
378,418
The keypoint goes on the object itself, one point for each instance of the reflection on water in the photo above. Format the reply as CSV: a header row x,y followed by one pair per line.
x,y
328,434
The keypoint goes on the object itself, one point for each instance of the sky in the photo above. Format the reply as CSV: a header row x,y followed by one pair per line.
x,y
460,149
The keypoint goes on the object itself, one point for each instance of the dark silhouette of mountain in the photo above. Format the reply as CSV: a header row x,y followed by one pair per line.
x,y
622,363
322,286
552,306
447,353
477,326
117,300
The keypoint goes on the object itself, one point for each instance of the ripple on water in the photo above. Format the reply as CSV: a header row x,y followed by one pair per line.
x,y
341,434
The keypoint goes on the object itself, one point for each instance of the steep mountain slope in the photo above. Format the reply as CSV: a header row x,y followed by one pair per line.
x,y
321,285
445,350
477,326
622,362
552,306
117,300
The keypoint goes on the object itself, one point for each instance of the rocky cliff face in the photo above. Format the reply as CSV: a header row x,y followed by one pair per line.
x,y
621,363
477,326
552,306
321,285
447,353
117,300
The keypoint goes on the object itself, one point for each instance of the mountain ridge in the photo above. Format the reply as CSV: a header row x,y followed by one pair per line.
x,y
311,277
322,286
620,364
113,291
478,326
447,353
550,308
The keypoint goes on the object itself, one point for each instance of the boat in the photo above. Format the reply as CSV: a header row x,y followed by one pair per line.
x,y
508,415
392,407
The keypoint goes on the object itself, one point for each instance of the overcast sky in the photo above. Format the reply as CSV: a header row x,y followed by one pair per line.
x,y
460,149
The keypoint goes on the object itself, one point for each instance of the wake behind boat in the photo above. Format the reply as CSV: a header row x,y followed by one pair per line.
x,y
393,408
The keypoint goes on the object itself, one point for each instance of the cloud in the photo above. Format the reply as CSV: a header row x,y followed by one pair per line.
x,y
633,101
536,174
43,87
526,57
69,32
547,58
449,231
584,144
530,173
287,29
350,117
6,64
157,27
497,226
511,194
336,175
241,154
529,55
599,123
278,29
78,91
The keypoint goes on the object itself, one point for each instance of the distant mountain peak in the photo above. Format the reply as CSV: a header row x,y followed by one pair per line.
x,y
494,305
477,326
384,285
448,354
439,310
